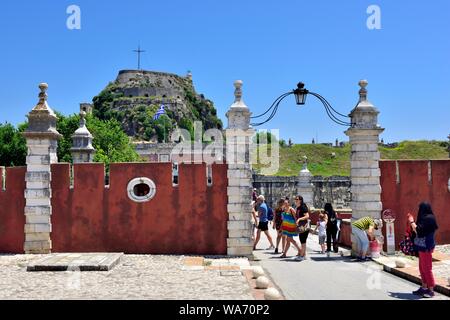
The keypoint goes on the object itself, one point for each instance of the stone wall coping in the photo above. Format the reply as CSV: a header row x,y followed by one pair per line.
x,y
150,72
262,178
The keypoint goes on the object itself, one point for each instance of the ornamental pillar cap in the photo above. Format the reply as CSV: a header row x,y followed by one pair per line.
x,y
42,119
238,101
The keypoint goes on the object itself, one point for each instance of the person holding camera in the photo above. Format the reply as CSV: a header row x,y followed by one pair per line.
x,y
425,228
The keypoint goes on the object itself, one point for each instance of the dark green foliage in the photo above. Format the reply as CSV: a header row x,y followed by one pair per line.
x,y
110,142
66,126
13,149
103,102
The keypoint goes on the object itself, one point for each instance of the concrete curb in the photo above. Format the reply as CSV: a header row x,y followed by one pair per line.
x,y
401,272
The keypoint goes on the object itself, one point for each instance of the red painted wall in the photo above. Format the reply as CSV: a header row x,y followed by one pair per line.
x,y
12,205
345,234
414,187
190,218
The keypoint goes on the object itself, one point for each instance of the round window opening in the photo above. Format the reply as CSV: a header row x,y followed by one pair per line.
x,y
141,189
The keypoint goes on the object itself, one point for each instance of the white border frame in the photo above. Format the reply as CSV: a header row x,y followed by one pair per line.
x,y
141,180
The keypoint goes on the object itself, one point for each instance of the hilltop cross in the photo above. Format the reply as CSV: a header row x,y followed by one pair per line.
x,y
139,51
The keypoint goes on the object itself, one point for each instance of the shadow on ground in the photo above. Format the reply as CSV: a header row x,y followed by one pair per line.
x,y
404,295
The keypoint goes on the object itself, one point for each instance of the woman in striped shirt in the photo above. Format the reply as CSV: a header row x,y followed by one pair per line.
x,y
359,229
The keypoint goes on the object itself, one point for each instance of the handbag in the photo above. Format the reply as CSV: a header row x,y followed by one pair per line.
x,y
304,228
420,242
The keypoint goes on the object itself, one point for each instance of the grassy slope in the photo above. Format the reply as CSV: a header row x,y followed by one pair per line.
x,y
320,161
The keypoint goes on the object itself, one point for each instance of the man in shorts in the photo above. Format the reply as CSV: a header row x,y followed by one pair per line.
x,y
263,224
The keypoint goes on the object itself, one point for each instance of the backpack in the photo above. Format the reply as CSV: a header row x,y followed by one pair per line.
x,y
407,245
269,214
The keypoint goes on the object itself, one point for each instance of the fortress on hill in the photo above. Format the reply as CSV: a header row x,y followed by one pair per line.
x,y
141,83
135,95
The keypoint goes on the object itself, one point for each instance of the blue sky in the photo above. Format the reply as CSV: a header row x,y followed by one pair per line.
x,y
270,45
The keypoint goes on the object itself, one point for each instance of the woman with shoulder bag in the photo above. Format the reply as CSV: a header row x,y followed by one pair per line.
x,y
302,220
425,229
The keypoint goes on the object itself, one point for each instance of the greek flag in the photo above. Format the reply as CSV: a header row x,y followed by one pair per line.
x,y
159,112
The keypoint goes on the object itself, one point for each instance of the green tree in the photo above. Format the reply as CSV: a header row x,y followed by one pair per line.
x,y
163,127
110,142
13,149
269,137
66,126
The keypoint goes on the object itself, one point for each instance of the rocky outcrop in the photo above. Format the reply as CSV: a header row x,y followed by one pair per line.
x,y
135,96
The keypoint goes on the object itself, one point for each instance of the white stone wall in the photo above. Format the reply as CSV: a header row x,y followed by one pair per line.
x,y
238,143
365,173
41,153
42,142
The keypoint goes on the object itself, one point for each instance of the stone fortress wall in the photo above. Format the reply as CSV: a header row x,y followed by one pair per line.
x,y
335,190
156,83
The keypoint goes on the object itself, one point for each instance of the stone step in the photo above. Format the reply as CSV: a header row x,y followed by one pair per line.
x,y
76,262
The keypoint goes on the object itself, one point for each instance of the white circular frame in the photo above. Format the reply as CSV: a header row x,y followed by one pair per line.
x,y
133,183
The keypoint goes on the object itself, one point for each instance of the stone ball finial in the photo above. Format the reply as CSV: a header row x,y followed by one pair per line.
x,y
238,91
42,97
43,86
363,83
82,114
363,91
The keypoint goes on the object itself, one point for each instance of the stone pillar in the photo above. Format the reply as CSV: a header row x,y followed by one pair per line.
x,y
365,172
304,187
238,142
448,148
42,141
82,150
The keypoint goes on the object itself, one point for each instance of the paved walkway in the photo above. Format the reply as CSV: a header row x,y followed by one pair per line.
x,y
323,278
410,270
135,277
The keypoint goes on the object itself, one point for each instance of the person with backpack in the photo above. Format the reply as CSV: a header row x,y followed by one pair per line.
x,y
263,224
332,227
278,220
270,213
424,242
